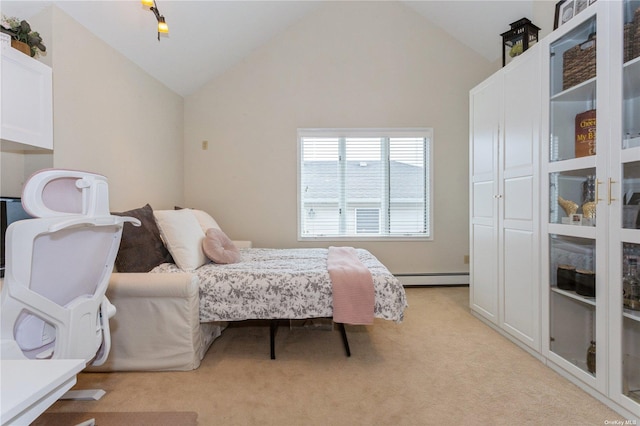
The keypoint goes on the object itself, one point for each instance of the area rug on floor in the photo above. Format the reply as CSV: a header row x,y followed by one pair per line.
x,y
139,418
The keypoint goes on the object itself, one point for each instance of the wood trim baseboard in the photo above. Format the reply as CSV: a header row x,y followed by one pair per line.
x,y
434,279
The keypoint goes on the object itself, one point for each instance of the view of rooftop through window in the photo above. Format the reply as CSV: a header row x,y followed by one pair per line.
x,y
377,177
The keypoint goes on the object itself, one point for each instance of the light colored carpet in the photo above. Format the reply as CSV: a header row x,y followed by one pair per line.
x,y
440,366
158,418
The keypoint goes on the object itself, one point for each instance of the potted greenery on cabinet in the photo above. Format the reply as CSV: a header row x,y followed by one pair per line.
x,y
22,37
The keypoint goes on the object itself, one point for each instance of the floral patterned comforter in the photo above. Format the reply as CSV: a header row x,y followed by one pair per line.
x,y
284,284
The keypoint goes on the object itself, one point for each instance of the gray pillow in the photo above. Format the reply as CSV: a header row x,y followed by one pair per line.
x,y
141,248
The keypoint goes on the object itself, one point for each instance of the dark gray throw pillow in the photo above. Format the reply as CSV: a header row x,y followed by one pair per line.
x,y
141,248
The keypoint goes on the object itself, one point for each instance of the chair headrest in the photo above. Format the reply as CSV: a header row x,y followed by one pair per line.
x,y
60,192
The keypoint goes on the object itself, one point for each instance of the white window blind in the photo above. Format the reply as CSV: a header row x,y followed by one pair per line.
x,y
363,183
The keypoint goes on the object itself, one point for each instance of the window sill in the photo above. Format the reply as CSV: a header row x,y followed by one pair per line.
x,y
376,238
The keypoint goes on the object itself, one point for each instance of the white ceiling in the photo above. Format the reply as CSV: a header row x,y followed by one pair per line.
x,y
208,37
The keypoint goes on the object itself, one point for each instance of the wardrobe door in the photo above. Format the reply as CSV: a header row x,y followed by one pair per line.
x,y
519,221
485,116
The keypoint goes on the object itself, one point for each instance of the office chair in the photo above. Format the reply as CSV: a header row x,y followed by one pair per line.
x,y
58,266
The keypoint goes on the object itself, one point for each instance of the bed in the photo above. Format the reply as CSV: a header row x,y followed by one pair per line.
x,y
276,284
284,284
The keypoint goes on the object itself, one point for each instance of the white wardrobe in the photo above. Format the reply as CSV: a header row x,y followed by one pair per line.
x,y
555,202
505,234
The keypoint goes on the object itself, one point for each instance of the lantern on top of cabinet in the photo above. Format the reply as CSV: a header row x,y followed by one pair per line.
x,y
522,35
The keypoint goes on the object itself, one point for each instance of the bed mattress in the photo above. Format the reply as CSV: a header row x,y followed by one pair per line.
x,y
285,284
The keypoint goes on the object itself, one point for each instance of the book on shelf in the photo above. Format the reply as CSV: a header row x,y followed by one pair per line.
x,y
586,133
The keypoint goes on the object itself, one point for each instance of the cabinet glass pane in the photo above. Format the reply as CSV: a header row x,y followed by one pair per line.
x,y
631,360
572,197
573,94
572,331
631,195
631,278
631,75
575,256
631,320
573,308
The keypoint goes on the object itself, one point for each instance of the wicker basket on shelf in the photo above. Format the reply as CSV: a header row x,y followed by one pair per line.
x,y
579,63
635,35
629,30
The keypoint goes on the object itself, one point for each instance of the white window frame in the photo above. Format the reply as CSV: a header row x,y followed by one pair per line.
x,y
425,132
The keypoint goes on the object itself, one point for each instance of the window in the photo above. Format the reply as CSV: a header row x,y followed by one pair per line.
x,y
364,183
367,221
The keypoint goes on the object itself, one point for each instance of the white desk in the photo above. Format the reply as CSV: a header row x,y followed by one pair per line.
x,y
29,387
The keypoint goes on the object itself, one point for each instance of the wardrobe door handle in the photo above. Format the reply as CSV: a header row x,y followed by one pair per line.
x,y
598,183
610,198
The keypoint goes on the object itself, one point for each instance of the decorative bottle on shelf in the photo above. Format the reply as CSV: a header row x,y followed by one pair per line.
x,y
591,358
631,285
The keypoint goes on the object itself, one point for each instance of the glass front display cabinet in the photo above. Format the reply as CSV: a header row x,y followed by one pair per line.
x,y
626,240
590,174
574,178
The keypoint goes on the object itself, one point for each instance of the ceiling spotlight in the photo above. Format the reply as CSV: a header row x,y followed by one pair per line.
x,y
162,24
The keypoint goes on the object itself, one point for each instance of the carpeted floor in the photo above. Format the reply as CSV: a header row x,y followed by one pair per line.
x,y
440,366
157,418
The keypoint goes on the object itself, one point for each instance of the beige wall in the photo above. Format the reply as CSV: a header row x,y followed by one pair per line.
x,y
110,117
113,118
350,64
13,169
543,15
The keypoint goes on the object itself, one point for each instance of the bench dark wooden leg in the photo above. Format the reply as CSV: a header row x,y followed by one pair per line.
x,y
345,341
272,335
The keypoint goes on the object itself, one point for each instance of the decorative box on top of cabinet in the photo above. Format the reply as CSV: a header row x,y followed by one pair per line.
x,y
27,105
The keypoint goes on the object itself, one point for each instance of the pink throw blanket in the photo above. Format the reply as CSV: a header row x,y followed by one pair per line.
x,y
353,294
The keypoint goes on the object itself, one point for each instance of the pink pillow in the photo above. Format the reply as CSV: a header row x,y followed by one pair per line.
x,y
219,248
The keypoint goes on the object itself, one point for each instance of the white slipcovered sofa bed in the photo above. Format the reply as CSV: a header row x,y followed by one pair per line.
x,y
180,278
157,325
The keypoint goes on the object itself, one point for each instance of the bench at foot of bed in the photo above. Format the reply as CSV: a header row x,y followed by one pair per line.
x,y
274,327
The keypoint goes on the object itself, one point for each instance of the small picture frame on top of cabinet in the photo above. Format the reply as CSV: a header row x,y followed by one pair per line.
x,y
579,6
565,10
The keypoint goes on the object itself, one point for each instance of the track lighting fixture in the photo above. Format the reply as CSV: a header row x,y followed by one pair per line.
x,y
162,24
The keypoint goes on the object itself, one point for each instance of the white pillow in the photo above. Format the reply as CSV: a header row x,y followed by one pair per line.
x,y
205,220
183,237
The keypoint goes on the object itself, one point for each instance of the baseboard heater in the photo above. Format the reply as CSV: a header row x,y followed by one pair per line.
x,y
436,278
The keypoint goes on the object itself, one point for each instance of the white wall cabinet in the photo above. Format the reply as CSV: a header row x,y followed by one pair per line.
x,y
26,101
504,160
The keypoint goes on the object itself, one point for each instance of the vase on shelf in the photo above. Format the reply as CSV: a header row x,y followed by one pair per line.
x,y
591,358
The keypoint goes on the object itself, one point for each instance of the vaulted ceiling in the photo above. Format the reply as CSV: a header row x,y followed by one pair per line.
x,y
208,37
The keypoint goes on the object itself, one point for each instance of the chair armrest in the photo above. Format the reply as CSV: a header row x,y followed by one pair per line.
x,y
128,285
